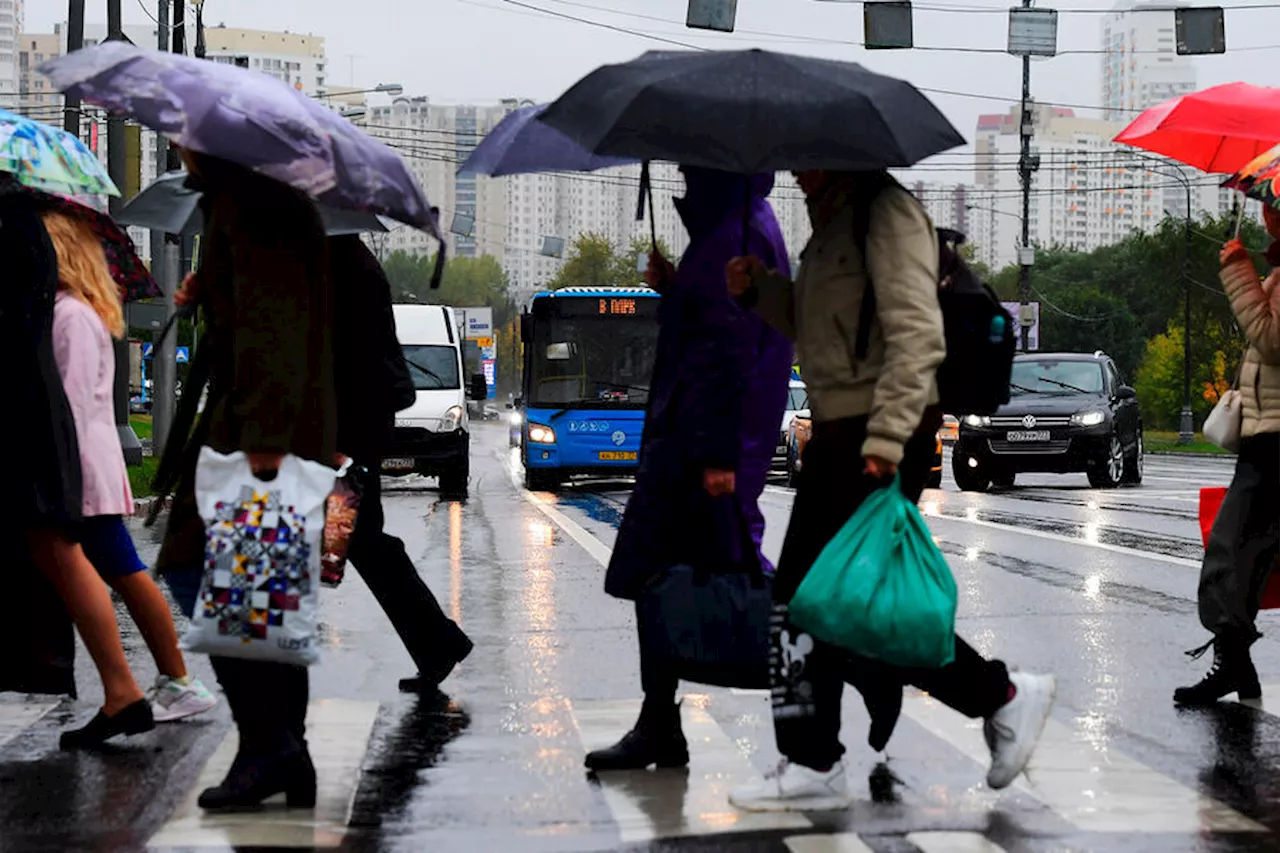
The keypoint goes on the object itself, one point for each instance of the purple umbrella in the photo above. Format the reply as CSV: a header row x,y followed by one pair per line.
x,y
520,145
251,119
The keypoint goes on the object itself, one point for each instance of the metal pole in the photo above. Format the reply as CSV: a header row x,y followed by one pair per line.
x,y
164,264
200,49
1024,172
75,41
1187,430
117,165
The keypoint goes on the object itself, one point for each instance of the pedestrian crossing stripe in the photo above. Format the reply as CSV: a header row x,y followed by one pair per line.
x,y
671,803
19,713
953,842
338,736
840,842
1080,776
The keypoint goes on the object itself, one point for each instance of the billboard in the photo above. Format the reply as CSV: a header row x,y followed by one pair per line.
x,y
475,326
1033,331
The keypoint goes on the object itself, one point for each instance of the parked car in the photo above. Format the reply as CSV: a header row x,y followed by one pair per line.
x,y
1068,413
799,431
950,429
797,400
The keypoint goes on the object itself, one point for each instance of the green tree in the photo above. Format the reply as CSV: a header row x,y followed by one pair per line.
x,y
591,263
1159,380
627,272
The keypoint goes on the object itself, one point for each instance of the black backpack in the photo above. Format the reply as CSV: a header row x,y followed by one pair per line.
x,y
974,377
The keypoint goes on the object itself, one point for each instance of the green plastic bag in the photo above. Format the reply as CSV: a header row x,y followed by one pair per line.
x,y
881,588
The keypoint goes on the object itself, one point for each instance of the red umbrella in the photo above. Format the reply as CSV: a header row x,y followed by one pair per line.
x,y
1219,129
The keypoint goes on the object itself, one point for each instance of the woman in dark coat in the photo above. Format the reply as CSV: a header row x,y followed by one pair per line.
x,y
264,290
718,393
42,488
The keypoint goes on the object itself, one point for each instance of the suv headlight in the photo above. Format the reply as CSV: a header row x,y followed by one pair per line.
x,y
1088,419
977,421
452,419
540,434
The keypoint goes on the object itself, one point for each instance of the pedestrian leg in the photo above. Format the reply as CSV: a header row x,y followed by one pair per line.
x,y
657,737
433,640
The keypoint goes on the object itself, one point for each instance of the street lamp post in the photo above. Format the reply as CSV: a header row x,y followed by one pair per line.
x,y
392,89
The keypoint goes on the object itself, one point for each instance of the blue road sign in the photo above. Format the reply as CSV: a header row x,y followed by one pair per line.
x,y
147,350
182,355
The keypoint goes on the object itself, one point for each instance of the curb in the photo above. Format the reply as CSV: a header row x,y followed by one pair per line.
x,y
1176,454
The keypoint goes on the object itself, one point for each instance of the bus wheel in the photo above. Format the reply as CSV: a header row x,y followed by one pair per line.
x,y
540,481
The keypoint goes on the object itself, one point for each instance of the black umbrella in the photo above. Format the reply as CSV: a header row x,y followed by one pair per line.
x,y
169,205
751,111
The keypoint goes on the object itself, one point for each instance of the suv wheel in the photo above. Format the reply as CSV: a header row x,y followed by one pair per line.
x,y
1004,481
969,479
1133,465
1108,471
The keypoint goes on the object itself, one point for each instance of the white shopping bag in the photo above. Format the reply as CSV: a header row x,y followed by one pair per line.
x,y
261,579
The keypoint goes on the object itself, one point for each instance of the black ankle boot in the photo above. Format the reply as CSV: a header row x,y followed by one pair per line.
x,y
254,778
1232,672
656,739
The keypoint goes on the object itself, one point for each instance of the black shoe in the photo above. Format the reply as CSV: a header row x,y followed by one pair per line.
x,y
656,739
131,720
253,779
1232,672
428,681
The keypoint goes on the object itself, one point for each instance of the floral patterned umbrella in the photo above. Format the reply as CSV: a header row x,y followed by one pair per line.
x,y
43,157
1260,178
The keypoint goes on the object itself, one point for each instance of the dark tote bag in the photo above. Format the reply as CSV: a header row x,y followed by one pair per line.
x,y
711,627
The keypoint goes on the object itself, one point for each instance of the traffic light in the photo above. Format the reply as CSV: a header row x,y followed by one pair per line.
x,y
1200,31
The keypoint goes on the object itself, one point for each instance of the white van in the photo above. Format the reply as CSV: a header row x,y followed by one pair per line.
x,y
433,436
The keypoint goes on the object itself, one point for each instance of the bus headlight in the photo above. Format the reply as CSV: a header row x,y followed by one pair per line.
x,y
541,434
452,419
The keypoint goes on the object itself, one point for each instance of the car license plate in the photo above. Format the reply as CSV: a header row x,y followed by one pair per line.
x,y
617,456
1028,435
397,464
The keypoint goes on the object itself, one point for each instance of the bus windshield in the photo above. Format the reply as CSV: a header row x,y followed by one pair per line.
x,y
593,361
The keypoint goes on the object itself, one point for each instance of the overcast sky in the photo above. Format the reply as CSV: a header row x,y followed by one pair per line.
x,y
480,50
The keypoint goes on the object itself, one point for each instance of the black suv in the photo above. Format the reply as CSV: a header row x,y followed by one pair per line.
x,y
1067,413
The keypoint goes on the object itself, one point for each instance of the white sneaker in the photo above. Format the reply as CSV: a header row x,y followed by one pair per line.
x,y
173,700
795,788
1013,732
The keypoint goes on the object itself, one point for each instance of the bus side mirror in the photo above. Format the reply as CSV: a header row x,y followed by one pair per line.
x,y
479,388
526,328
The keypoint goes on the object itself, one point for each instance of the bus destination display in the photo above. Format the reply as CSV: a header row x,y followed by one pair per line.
x,y
600,306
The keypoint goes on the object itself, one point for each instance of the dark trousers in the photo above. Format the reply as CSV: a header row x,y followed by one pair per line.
x,y
809,675
268,700
657,679
1245,540
431,637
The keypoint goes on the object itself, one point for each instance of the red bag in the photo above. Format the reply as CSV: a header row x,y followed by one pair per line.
x,y
1210,502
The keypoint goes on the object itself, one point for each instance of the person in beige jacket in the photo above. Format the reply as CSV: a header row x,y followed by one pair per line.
x,y
873,417
1245,541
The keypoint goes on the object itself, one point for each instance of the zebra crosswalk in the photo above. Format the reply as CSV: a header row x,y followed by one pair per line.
x,y
1083,790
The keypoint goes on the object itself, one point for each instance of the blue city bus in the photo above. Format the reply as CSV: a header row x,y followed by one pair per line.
x,y
588,358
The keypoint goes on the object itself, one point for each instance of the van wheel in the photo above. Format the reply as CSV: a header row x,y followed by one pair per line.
x,y
454,481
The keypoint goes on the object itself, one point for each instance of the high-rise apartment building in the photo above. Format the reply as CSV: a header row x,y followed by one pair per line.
x,y
1140,65
10,28
293,58
34,92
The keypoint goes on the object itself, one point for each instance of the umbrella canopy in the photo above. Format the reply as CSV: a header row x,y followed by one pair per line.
x,y
521,145
43,157
1260,178
1218,129
751,111
127,269
169,205
250,119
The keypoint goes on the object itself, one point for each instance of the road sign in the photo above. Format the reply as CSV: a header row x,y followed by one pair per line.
x,y
484,343
182,355
147,350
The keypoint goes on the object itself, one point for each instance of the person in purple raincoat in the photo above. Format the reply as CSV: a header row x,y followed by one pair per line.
x,y
718,393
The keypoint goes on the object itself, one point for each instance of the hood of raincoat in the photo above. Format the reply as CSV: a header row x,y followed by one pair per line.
x,y
710,194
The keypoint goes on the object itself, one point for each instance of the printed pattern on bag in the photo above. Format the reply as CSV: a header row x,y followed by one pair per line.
x,y
257,560
789,649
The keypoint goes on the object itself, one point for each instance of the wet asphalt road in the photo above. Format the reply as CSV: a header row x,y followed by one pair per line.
x,y
1096,586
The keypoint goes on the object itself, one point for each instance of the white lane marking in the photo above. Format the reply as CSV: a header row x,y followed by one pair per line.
x,y
593,546
1085,779
840,842
338,735
650,805
953,842
17,714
